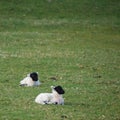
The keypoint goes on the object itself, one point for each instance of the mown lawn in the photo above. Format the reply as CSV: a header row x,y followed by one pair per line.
x,y
78,42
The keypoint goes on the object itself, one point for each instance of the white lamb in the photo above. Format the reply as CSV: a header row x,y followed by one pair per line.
x,y
30,80
51,98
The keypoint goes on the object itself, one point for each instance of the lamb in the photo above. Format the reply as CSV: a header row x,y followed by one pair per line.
x,y
51,98
30,80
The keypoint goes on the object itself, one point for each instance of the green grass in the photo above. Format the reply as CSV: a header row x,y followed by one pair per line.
x,y
76,41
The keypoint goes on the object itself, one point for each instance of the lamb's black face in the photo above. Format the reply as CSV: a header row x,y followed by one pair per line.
x,y
59,90
34,76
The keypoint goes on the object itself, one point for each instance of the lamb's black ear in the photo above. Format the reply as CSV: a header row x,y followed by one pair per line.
x,y
34,76
59,90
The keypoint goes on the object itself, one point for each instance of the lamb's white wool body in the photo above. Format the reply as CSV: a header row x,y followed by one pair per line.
x,y
28,81
50,98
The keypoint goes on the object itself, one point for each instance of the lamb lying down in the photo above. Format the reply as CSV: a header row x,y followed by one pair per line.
x,y
30,80
51,98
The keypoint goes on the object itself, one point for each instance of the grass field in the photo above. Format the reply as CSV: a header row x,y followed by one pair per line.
x,y
77,41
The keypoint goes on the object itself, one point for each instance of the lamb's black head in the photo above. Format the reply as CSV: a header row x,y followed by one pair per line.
x,y
59,90
34,76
